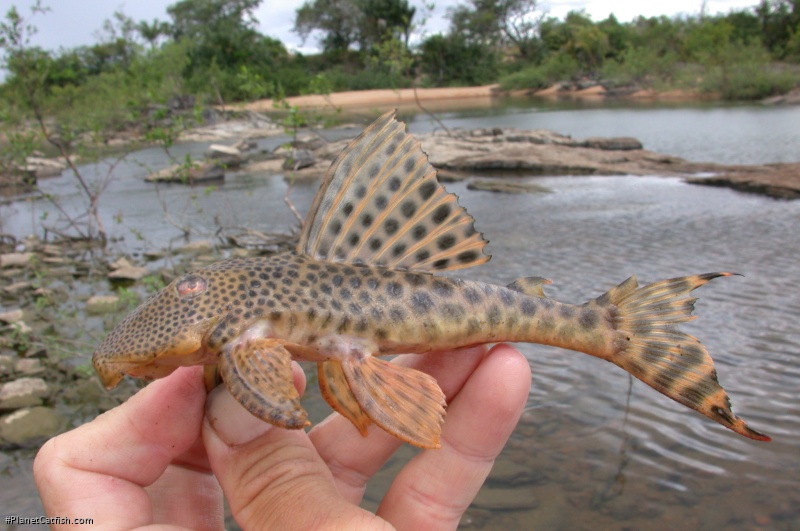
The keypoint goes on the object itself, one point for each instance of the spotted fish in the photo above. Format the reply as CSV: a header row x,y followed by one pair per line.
x,y
362,282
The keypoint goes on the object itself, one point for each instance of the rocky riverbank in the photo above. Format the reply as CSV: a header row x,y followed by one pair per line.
x,y
57,300
462,154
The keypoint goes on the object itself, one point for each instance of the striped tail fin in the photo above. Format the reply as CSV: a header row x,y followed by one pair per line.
x,y
650,347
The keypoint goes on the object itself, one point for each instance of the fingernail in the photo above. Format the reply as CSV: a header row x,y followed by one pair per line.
x,y
230,420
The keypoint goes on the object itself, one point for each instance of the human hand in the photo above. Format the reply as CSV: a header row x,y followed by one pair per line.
x,y
161,458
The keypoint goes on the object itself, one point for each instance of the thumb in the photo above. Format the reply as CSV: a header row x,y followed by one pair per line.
x,y
272,477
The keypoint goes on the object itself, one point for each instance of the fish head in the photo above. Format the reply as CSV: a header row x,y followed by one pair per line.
x,y
167,331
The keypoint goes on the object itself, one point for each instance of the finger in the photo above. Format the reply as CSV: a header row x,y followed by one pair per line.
x,y
272,477
437,486
354,459
100,468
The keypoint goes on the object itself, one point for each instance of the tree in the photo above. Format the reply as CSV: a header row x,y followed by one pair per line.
x,y
338,20
499,24
370,24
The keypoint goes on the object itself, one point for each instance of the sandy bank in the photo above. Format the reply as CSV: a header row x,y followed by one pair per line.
x,y
388,98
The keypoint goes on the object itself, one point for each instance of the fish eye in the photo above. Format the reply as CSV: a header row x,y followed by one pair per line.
x,y
191,286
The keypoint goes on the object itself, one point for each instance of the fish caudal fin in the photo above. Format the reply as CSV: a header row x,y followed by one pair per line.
x,y
650,347
404,402
258,374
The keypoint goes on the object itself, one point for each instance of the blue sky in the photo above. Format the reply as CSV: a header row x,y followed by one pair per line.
x,y
71,23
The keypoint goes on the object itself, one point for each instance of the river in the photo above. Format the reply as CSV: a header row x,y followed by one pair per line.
x,y
593,449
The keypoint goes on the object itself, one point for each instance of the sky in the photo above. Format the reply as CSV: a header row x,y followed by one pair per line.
x,y
71,23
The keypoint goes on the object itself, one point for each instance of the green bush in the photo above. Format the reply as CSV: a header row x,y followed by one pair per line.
x,y
557,67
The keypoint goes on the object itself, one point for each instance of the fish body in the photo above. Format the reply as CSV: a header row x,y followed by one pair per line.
x,y
362,283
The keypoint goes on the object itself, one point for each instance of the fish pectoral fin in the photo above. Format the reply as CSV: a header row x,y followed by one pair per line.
x,y
404,402
258,374
336,391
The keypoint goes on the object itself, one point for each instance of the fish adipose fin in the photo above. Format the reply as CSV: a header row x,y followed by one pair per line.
x,y
404,402
381,204
650,347
336,391
258,374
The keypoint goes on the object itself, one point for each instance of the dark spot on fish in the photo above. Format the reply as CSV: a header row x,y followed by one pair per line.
x,y
507,297
394,290
397,314
453,312
326,289
373,283
391,225
381,333
445,242
472,296
441,213
588,319
467,256
361,191
335,227
381,202
375,244
494,316
419,232
364,297
337,280
528,307
355,282
442,288
366,220
421,302
408,208
566,311
423,255
354,238
427,189
374,170
398,249
409,165
394,183
347,209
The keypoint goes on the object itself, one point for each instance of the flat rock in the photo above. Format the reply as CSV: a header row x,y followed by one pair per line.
x,y
15,259
215,150
29,366
196,247
17,287
622,143
98,304
11,316
507,186
29,425
196,174
6,365
128,273
23,392
299,159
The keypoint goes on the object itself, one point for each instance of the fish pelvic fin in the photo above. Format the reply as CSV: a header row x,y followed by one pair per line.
x,y
404,402
650,347
258,374
336,391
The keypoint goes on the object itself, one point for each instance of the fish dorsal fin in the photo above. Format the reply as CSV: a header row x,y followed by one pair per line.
x,y
381,204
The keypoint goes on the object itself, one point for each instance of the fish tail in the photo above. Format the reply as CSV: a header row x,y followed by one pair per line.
x,y
649,346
